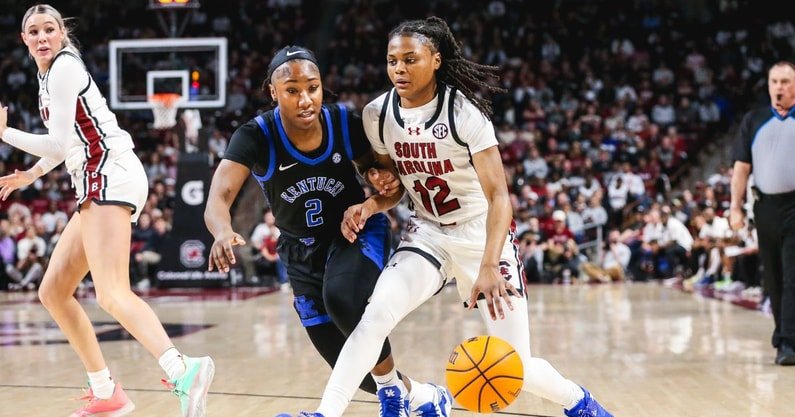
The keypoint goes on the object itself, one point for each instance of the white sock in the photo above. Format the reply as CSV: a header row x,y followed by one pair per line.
x,y
576,397
101,383
172,364
420,394
391,378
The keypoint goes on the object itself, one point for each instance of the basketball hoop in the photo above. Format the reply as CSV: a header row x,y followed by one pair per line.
x,y
164,109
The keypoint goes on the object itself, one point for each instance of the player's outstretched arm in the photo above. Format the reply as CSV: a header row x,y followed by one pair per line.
x,y
490,282
229,177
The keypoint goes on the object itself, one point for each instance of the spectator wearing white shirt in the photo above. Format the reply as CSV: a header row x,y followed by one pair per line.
x,y
217,145
714,226
679,240
52,216
638,121
249,253
663,113
536,165
31,241
614,262
595,213
591,187
617,197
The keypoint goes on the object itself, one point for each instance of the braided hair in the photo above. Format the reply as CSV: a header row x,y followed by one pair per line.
x,y
455,70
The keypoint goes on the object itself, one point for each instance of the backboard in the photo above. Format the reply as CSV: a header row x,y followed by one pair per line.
x,y
195,68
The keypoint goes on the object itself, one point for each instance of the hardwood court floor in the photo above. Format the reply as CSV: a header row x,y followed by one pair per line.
x,y
643,350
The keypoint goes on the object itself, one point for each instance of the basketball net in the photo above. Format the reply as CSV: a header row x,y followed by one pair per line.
x,y
164,109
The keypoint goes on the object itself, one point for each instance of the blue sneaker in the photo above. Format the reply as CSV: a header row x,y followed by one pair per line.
x,y
441,405
301,414
394,401
587,407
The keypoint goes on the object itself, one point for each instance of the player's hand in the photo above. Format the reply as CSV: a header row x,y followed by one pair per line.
x,y
354,219
221,254
384,181
495,288
12,182
736,218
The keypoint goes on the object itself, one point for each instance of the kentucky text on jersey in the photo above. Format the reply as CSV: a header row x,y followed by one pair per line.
x,y
329,185
414,157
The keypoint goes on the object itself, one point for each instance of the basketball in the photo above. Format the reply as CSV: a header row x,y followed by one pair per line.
x,y
484,374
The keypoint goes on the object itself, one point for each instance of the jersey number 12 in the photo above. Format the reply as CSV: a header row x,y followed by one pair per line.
x,y
441,206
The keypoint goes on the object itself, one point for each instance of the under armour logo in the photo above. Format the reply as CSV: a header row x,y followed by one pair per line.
x,y
389,392
413,130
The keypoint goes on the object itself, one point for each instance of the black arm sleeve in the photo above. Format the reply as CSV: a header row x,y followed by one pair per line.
x,y
359,142
744,139
249,147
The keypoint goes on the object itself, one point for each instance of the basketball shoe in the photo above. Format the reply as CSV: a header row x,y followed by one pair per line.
x,y
191,388
115,406
587,407
394,401
441,406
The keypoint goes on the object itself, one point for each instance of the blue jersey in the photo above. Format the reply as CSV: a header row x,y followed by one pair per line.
x,y
308,191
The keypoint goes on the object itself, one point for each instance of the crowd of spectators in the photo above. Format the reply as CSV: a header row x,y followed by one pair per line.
x,y
606,106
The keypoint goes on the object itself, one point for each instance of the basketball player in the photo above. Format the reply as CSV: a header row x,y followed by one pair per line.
x,y
111,190
301,154
436,131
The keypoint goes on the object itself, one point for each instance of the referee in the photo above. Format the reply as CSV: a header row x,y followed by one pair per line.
x,y
766,145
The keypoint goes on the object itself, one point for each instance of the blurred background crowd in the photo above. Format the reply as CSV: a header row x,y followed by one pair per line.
x,y
610,109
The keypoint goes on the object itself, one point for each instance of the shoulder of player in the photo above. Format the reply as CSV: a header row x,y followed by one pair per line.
x,y
251,128
465,111
373,109
68,63
462,104
335,110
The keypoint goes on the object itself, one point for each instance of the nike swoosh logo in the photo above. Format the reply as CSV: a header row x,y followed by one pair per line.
x,y
286,167
293,53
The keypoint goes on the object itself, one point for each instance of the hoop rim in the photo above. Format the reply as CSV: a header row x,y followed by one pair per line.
x,y
166,100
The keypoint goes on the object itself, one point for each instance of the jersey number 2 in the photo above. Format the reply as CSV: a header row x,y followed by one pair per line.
x,y
442,207
313,217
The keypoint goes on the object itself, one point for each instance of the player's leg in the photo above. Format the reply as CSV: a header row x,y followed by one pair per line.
x,y
351,275
67,267
106,238
540,377
323,332
408,280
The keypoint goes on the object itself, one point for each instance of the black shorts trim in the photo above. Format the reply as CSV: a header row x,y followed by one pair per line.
x,y
422,253
111,203
430,258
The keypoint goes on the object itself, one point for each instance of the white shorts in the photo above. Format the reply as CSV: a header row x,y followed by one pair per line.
x,y
457,251
118,180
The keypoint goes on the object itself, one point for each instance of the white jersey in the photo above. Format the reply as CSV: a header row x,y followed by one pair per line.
x,y
432,146
93,130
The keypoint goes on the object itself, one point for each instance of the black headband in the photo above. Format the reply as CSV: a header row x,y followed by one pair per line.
x,y
289,53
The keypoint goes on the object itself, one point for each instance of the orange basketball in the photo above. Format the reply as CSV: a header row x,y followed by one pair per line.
x,y
484,374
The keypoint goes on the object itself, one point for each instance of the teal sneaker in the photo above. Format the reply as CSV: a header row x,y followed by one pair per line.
x,y
191,388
